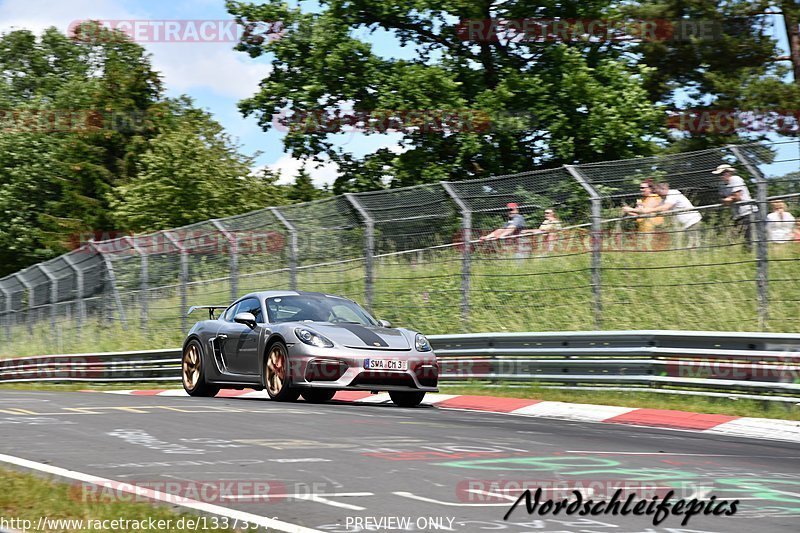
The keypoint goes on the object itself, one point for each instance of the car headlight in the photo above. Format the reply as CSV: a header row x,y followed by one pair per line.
x,y
422,343
312,339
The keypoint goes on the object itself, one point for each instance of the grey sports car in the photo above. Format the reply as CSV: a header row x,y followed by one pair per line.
x,y
294,343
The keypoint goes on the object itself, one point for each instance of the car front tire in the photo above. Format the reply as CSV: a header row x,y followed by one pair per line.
x,y
193,373
406,399
277,379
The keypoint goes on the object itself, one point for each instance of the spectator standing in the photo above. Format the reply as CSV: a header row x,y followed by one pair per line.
x,y
733,190
687,219
649,199
649,226
780,223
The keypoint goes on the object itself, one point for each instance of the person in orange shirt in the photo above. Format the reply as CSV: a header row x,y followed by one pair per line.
x,y
651,237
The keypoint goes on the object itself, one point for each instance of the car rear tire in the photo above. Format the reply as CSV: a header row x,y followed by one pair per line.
x,y
277,379
406,399
193,374
318,395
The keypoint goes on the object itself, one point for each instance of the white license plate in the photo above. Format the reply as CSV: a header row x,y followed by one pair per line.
x,y
385,364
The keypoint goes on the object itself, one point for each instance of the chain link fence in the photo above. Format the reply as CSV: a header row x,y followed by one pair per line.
x,y
436,257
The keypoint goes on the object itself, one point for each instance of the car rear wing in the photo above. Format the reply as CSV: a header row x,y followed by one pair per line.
x,y
211,309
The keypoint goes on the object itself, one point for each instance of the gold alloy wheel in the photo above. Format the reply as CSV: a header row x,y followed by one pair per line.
x,y
276,369
191,366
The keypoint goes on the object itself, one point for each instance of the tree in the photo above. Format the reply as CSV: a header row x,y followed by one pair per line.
x,y
190,173
734,65
89,144
527,104
303,190
61,154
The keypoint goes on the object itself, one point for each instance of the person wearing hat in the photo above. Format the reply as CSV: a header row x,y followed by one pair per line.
x,y
514,226
734,191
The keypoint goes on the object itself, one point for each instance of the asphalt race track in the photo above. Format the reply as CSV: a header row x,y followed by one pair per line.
x,y
343,466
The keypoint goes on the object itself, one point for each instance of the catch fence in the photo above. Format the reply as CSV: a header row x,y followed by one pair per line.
x,y
420,257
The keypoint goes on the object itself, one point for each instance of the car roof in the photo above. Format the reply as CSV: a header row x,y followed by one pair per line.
x,y
272,294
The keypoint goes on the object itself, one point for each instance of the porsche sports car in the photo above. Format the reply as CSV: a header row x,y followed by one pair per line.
x,y
294,343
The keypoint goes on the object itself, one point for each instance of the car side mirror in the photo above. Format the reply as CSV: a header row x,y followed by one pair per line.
x,y
384,323
245,318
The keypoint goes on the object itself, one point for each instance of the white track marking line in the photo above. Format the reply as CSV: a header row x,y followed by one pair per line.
x,y
673,454
448,504
159,496
318,498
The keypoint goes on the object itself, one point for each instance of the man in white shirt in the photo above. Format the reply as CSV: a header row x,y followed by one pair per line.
x,y
733,190
687,218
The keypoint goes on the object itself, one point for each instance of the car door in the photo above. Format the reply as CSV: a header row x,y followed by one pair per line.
x,y
240,347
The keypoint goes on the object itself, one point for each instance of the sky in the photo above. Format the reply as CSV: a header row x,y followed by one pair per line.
x,y
212,73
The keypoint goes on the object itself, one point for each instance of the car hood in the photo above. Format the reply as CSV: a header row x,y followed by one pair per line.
x,y
364,337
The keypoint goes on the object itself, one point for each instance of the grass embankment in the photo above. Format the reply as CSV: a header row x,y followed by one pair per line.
x,y
29,497
707,289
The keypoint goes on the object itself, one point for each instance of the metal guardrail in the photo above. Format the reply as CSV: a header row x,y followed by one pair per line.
x,y
709,363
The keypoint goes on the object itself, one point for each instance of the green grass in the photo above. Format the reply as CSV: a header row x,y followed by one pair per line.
x,y
708,289
29,497
696,404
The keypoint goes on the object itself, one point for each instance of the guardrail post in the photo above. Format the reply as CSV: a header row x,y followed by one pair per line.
x,y
466,259
762,251
369,247
597,243
112,281
144,282
233,241
80,305
184,277
292,246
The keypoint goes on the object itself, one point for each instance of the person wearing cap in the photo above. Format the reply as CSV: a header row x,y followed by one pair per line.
x,y
514,226
734,191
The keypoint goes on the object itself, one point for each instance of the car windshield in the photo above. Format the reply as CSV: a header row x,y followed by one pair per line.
x,y
304,308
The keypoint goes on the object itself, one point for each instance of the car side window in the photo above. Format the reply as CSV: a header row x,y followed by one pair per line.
x,y
251,305
229,313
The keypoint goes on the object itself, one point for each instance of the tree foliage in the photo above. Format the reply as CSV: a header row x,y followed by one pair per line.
x,y
89,143
566,102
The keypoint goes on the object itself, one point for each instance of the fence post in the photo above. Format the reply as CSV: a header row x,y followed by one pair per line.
x,y
53,293
292,246
597,243
369,247
762,251
112,280
184,277
466,259
234,256
78,289
7,310
28,287
144,282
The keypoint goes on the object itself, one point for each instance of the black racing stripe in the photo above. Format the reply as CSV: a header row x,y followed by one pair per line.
x,y
370,338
